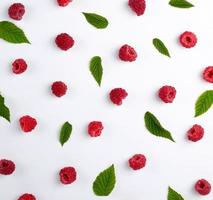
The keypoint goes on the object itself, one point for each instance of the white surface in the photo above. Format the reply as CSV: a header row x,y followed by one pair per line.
x,y
39,156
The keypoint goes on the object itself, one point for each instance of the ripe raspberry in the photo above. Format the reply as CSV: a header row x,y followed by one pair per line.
x,y
63,3
67,175
195,133
19,66
27,123
138,6
208,74
188,39
16,11
117,95
59,88
95,128
167,94
127,53
27,197
138,161
64,41
7,167
203,187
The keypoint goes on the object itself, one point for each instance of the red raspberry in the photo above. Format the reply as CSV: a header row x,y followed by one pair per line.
x,y
208,74
95,128
67,175
167,94
7,167
27,197
19,66
138,6
195,133
16,11
27,123
117,95
64,41
127,53
203,187
63,3
59,88
138,161
188,39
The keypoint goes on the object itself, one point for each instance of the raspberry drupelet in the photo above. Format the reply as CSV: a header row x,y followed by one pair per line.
x,y
137,162
117,95
188,39
63,3
27,196
195,133
67,175
138,6
95,128
16,11
7,167
19,66
64,41
127,53
208,74
203,187
167,94
27,123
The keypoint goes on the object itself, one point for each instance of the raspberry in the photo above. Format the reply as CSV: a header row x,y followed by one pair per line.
x,y
138,6
64,41
117,95
27,123
188,39
19,66
137,162
7,167
63,3
27,197
203,187
59,88
127,53
67,175
208,74
16,11
167,93
95,128
195,133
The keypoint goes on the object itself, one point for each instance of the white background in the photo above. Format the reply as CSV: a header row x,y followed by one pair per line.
x,y
39,155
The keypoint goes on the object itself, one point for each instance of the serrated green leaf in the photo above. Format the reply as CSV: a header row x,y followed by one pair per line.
x,y
204,103
181,4
173,195
96,69
154,126
4,110
96,20
105,182
159,45
11,33
65,133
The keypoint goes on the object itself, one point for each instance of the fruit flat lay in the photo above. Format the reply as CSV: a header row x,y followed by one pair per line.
x,y
106,99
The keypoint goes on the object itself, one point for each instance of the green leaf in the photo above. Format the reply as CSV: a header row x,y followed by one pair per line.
x,y
154,126
173,195
159,45
180,4
96,69
65,133
4,111
96,20
105,182
11,33
204,103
